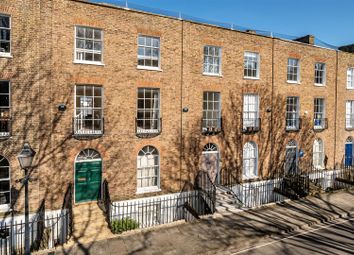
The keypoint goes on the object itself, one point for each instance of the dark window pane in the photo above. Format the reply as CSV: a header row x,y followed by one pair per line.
x,y
80,44
4,87
3,161
89,33
98,34
97,57
4,186
5,198
4,172
88,56
97,46
4,47
140,104
98,91
5,34
141,62
4,100
4,21
80,90
80,32
98,102
89,45
155,63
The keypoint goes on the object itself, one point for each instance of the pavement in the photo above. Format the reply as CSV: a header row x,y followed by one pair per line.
x,y
329,238
227,233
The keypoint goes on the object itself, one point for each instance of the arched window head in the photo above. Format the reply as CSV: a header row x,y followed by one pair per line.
x,y
292,143
5,182
210,147
148,150
250,160
349,140
88,154
148,170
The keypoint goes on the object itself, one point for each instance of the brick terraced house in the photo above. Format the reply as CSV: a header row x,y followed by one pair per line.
x,y
145,101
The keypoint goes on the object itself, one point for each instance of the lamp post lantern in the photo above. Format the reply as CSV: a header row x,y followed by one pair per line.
x,y
26,158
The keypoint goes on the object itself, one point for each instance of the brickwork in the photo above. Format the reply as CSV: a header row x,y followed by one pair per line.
x,y
43,75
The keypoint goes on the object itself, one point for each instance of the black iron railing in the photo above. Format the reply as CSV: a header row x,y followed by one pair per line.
x,y
320,124
106,202
87,127
294,186
148,127
5,128
228,177
293,125
143,213
251,125
46,232
207,189
211,126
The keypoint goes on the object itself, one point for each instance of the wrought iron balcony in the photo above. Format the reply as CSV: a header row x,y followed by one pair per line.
x,y
320,124
5,128
148,127
86,128
293,125
211,126
251,125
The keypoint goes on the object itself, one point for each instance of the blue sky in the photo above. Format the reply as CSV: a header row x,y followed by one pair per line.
x,y
330,20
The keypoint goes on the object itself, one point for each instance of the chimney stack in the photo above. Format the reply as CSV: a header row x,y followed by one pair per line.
x,y
309,39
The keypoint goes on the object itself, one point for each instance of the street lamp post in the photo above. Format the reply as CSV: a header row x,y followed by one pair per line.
x,y
25,158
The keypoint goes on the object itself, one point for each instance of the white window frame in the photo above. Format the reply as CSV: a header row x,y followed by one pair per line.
x,y
148,189
152,110
295,119
6,134
319,122
76,50
249,173
78,120
6,207
156,68
214,57
319,73
350,78
349,114
248,57
7,54
207,111
291,67
318,154
247,121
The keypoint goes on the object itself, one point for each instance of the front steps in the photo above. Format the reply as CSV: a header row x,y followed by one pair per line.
x,y
89,224
225,201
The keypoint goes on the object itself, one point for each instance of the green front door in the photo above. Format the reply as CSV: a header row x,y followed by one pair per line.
x,y
88,181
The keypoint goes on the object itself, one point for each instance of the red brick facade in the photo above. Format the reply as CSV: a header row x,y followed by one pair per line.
x,y
43,75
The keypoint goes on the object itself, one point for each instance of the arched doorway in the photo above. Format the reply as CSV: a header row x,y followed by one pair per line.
x,y
348,157
291,158
88,176
211,161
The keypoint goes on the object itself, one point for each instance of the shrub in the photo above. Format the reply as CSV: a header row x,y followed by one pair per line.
x,y
125,224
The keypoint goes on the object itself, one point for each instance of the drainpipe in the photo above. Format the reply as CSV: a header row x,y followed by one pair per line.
x,y
181,137
271,112
335,113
